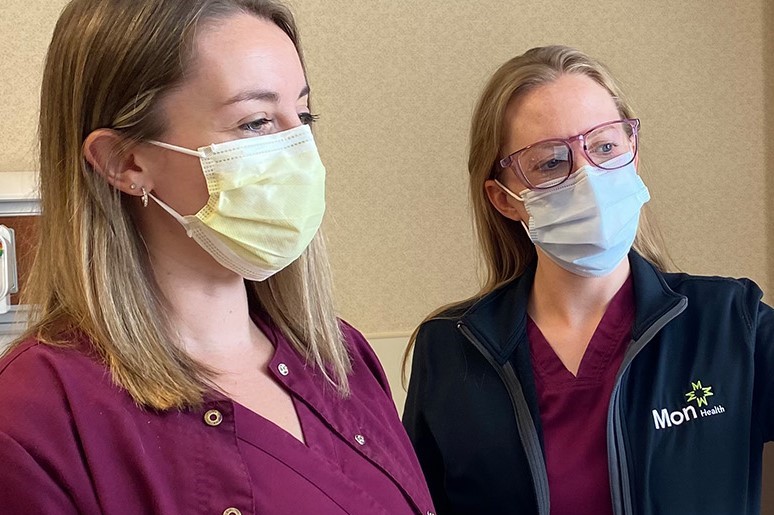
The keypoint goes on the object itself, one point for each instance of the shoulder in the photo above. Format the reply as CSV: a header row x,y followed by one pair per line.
x,y
32,362
716,292
691,284
40,382
39,392
439,345
440,328
365,362
357,345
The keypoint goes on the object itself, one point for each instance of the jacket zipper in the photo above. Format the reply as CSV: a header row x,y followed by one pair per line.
x,y
620,489
524,422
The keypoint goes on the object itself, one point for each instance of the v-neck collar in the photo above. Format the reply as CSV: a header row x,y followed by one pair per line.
x,y
611,335
484,317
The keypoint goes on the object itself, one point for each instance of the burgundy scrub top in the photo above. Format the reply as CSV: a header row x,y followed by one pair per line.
x,y
574,409
71,442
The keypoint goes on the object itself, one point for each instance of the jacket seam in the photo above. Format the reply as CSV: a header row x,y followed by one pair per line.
x,y
633,462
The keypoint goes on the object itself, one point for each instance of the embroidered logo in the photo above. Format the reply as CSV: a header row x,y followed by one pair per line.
x,y
699,394
664,418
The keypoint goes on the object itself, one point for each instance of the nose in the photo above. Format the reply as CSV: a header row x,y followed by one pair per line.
x,y
579,159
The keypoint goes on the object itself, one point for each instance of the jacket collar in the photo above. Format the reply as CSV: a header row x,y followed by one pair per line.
x,y
652,295
499,319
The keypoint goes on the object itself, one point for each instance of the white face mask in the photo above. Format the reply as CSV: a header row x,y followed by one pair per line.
x,y
588,223
267,200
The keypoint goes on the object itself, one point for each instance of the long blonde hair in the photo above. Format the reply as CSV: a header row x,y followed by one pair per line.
x,y
506,248
108,65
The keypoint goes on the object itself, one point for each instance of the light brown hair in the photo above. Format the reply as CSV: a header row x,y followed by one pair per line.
x,y
506,247
108,65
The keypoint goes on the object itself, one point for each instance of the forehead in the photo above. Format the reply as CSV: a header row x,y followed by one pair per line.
x,y
245,51
569,105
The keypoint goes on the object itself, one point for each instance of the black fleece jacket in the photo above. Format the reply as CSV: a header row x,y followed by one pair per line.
x,y
674,446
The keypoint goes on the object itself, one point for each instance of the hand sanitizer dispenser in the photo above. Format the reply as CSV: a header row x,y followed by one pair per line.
x,y
8,276
19,211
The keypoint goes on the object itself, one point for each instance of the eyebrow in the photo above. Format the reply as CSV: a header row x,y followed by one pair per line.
x,y
261,95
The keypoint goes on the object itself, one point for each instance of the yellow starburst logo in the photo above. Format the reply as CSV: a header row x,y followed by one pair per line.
x,y
699,393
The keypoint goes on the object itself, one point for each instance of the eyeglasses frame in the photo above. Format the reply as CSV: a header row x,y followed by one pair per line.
x,y
512,162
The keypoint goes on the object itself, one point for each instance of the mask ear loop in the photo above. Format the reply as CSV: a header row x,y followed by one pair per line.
x,y
182,150
174,214
509,192
163,205
520,199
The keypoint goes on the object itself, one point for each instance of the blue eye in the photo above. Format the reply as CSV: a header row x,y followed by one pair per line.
x,y
604,148
550,165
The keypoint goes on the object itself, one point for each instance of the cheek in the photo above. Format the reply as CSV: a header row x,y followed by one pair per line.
x,y
517,186
181,184
523,213
511,180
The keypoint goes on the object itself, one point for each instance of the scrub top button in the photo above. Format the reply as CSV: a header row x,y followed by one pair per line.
x,y
213,418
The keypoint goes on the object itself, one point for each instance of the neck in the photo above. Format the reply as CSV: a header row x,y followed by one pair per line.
x,y
570,299
210,314
207,304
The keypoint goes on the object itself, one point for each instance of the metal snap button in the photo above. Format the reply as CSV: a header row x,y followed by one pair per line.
x,y
213,418
360,439
283,369
232,511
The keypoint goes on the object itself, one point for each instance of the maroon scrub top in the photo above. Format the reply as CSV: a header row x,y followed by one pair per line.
x,y
573,409
71,442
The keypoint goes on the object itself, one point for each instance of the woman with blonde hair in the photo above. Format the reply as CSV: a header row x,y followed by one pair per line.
x,y
185,356
584,378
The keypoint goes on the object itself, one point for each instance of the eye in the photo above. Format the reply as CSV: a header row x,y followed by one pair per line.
x,y
550,165
258,125
308,118
604,148
546,159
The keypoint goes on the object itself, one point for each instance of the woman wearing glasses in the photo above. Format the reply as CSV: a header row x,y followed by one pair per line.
x,y
583,378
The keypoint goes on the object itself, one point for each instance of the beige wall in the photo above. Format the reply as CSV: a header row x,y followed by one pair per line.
x,y
768,52
25,30
395,83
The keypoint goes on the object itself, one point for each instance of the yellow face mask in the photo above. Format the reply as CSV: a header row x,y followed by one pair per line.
x,y
267,200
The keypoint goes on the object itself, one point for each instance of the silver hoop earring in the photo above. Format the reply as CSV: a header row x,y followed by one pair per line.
x,y
144,197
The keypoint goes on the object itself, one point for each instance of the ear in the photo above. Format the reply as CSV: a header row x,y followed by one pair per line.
x,y
124,170
508,206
